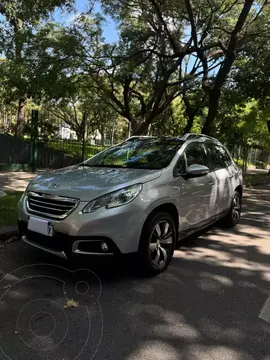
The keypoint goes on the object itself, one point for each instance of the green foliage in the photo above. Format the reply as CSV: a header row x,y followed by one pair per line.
x,y
31,11
260,165
174,49
242,123
8,208
160,73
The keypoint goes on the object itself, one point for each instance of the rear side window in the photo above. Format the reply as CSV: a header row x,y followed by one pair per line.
x,y
219,155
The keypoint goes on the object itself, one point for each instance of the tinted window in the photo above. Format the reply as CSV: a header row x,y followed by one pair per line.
x,y
227,156
195,154
219,155
139,154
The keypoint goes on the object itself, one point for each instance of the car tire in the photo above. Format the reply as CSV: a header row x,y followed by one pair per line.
x,y
157,244
233,216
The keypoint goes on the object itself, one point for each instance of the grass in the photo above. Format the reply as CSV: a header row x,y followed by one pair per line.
x,y
240,162
253,179
8,208
260,164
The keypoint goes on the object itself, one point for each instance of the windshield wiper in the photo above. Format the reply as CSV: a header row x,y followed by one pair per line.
x,y
107,166
142,167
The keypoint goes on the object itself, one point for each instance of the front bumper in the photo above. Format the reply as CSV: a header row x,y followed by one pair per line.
x,y
85,234
65,246
60,254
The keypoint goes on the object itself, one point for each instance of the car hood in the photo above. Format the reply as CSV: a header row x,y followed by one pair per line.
x,y
88,183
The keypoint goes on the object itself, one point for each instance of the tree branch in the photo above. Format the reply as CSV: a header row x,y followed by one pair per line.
x,y
159,15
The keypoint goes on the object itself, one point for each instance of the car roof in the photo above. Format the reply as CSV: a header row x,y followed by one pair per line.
x,y
155,137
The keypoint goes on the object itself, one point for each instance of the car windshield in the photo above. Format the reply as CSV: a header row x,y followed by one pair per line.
x,y
141,154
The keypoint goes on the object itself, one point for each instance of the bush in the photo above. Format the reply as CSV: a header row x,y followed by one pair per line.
x,y
260,165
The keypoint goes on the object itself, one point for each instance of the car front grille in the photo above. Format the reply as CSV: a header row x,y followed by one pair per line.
x,y
50,206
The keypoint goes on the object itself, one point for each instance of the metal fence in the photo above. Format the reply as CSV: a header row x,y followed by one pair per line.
x,y
18,154
256,157
47,145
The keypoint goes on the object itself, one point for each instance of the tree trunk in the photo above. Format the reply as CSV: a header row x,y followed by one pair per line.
x,y
215,92
189,114
245,158
113,132
214,97
21,114
80,133
21,117
102,136
139,127
189,125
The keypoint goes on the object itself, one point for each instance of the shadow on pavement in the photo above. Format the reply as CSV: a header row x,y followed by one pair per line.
x,y
204,307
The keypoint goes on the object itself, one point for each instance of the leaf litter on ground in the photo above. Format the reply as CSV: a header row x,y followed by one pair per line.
x,y
71,304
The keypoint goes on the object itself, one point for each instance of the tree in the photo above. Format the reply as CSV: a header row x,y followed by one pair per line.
x,y
241,124
251,75
20,19
165,46
79,101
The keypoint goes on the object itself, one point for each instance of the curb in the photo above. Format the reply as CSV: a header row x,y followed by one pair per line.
x,y
7,232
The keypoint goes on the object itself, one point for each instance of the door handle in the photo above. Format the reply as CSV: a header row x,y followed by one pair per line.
x,y
212,183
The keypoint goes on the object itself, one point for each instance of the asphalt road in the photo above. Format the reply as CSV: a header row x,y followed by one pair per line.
x,y
206,306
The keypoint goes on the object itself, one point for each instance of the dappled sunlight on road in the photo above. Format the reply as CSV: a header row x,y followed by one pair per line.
x,y
206,306
215,289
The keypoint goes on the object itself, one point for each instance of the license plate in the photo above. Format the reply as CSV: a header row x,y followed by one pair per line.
x,y
40,226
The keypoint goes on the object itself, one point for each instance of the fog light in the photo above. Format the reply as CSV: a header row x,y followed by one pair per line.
x,y
104,247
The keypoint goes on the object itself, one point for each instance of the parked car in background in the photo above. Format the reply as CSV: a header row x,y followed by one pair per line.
x,y
140,196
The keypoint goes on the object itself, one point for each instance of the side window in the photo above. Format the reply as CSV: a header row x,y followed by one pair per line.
x,y
195,154
219,155
228,158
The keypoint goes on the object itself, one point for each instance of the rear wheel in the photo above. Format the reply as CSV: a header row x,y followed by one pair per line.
x,y
233,216
157,244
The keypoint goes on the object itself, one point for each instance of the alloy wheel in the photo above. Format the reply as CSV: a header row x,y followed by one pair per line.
x,y
236,208
161,243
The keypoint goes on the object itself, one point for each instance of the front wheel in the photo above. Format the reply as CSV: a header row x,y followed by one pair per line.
x,y
233,216
157,244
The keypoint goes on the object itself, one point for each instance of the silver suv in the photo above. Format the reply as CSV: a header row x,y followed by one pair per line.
x,y
140,196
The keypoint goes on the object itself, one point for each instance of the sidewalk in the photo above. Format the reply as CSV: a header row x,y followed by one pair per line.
x,y
15,181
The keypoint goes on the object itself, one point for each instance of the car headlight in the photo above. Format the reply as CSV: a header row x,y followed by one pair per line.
x,y
114,199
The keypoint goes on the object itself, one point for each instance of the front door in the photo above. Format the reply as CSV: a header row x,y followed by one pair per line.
x,y
195,201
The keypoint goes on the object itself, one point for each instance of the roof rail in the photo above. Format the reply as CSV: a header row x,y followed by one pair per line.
x,y
195,136
140,137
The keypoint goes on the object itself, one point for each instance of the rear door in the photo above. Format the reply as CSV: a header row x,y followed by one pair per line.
x,y
194,201
224,171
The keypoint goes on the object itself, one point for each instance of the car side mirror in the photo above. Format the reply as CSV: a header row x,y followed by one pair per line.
x,y
197,170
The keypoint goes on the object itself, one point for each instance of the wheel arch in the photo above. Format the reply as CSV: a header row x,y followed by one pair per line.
x,y
168,207
239,189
